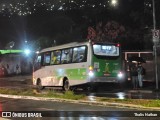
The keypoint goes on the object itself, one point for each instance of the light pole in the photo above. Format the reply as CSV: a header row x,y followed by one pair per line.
x,y
155,40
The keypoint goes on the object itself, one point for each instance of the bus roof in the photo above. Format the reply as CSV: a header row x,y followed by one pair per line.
x,y
73,44
10,51
64,46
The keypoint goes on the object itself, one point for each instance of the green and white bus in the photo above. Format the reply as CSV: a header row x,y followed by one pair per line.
x,y
78,63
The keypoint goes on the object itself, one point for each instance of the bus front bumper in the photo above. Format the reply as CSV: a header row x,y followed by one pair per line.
x,y
104,79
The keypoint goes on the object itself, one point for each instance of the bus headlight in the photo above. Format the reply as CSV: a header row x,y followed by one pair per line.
x,y
120,75
91,74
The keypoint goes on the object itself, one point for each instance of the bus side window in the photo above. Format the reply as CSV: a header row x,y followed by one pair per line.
x,y
79,54
66,56
55,57
75,54
37,64
47,58
82,52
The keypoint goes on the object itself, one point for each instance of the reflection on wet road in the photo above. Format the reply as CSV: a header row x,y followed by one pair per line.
x,y
114,91
123,95
103,90
52,110
87,112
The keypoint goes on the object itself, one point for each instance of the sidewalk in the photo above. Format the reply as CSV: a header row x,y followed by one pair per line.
x,y
18,78
148,87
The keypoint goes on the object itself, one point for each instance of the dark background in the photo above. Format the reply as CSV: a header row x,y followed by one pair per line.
x,y
44,22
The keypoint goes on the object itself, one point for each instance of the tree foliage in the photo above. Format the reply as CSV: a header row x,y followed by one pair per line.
x,y
109,32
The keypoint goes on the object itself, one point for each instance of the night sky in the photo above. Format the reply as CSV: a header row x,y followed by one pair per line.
x,y
64,20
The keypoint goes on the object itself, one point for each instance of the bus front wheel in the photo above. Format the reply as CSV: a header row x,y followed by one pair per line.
x,y
39,85
66,86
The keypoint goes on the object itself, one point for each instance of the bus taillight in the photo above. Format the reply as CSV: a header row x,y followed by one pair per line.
x,y
118,45
91,73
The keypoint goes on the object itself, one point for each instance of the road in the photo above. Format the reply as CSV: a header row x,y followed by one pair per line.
x,y
103,90
51,110
69,111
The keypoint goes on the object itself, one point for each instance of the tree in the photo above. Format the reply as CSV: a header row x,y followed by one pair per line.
x,y
42,42
109,32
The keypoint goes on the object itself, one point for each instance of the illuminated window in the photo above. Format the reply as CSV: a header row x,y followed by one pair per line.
x,y
66,56
79,54
55,57
47,58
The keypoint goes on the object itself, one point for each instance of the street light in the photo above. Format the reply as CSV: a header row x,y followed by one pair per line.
x,y
114,2
27,51
155,40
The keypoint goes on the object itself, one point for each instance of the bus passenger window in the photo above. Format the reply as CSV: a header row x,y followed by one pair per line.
x,y
75,54
38,60
79,54
37,64
70,55
55,57
66,56
47,59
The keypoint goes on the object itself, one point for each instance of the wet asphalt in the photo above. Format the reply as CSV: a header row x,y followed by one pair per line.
x,y
110,90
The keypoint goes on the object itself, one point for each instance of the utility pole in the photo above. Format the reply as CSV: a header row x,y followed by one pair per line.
x,y
156,41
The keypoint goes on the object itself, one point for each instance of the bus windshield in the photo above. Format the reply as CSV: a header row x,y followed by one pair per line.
x,y
106,50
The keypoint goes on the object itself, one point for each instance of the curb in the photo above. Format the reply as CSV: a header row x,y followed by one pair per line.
x,y
140,91
121,105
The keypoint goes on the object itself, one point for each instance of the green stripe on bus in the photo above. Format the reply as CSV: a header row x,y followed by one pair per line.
x,y
72,74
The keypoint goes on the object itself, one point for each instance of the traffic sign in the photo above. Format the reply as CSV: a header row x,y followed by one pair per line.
x,y
155,33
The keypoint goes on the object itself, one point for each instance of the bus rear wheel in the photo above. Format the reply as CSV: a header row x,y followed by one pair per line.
x,y
66,86
39,85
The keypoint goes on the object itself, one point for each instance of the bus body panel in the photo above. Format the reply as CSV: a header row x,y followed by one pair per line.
x,y
104,69
53,76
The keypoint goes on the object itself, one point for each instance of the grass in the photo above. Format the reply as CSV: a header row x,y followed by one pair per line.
x,y
48,93
27,92
72,96
142,102
65,95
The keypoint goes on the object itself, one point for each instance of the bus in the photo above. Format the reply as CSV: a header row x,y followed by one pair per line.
x,y
78,63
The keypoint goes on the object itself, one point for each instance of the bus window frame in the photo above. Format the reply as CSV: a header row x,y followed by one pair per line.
x,y
43,59
104,57
60,63
85,54
70,50
60,57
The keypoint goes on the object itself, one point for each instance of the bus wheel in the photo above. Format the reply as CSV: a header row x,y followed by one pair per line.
x,y
66,86
39,85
